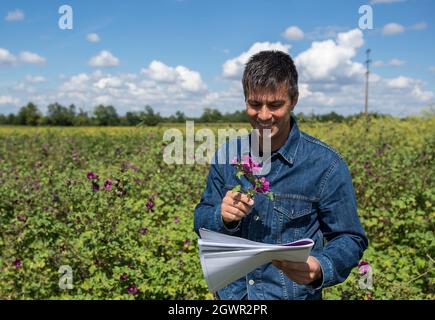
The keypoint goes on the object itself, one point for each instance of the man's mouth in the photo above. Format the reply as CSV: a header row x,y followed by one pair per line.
x,y
264,126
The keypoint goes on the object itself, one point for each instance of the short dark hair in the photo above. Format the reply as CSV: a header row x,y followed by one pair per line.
x,y
269,69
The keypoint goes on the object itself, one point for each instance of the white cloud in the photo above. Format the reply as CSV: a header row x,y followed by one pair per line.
x,y
323,33
104,59
30,57
392,29
407,84
35,79
181,76
93,37
160,72
109,82
6,58
233,68
8,100
331,60
400,82
16,15
378,63
396,62
293,33
419,26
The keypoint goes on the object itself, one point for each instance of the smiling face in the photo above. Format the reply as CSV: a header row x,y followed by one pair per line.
x,y
270,109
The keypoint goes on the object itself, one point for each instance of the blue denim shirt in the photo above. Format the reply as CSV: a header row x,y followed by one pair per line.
x,y
313,198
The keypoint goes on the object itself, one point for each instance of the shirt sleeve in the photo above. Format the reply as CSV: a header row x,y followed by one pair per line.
x,y
341,227
208,211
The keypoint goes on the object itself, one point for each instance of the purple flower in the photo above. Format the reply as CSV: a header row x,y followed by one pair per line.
x,y
123,277
95,186
132,289
364,267
143,231
366,165
108,184
363,263
177,219
91,176
18,263
150,204
186,242
262,185
22,218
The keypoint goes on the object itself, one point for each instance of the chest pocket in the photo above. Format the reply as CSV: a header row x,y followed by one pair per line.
x,y
292,207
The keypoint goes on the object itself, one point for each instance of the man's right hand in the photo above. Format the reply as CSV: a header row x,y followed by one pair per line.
x,y
235,206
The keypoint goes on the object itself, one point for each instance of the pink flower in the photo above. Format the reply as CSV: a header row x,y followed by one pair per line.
x,y
143,231
262,185
177,219
150,204
92,176
95,186
123,277
22,218
18,263
108,184
132,289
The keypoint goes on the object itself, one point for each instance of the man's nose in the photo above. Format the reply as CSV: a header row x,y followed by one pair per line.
x,y
264,114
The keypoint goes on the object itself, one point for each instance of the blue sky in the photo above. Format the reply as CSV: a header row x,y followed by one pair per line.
x,y
188,55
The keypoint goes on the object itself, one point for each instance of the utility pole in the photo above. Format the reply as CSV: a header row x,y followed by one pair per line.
x,y
368,61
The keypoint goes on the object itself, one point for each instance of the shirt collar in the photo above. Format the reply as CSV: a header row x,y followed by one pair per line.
x,y
290,148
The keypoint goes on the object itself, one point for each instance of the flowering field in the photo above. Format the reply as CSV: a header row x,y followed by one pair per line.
x,y
102,201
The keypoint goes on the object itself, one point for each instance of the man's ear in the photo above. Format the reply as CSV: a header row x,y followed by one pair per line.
x,y
294,101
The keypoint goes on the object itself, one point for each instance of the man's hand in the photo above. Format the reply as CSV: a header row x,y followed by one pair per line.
x,y
235,206
301,272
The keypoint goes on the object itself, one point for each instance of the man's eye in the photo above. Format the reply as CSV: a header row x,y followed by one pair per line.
x,y
254,104
276,105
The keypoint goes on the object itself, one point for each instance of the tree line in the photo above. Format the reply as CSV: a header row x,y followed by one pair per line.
x,y
101,115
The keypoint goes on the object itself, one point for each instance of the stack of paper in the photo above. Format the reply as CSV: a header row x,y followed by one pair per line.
x,y
225,259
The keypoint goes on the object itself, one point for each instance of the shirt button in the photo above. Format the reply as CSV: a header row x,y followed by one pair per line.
x,y
251,282
256,217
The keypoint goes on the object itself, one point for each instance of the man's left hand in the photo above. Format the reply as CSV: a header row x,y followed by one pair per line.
x,y
301,272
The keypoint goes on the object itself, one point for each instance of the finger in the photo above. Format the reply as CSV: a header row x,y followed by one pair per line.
x,y
240,197
235,211
229,217
296,266
243,207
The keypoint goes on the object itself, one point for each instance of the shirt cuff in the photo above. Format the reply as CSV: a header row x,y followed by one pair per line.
x,y
327,274
220,223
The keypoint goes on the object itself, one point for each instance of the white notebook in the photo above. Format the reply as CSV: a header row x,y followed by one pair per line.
x,y
225,259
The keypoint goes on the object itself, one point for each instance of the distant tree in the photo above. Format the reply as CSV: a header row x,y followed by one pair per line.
x,y
429,111
29,115
211,115
106,115
82,118
180,116
133,118
11,119
149,118
59,115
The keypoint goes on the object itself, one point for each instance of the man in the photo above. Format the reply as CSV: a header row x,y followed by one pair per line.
x,y
313,195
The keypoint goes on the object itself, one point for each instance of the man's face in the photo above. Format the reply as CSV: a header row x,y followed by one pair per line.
x,y
270,109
